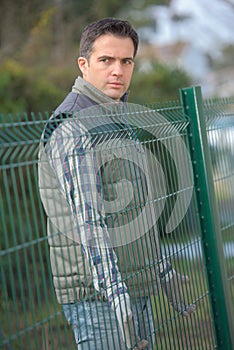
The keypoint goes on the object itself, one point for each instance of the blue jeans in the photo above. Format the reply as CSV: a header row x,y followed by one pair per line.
x,y
95,326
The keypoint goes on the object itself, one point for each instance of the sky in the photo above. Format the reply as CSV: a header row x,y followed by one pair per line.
x,y
209,24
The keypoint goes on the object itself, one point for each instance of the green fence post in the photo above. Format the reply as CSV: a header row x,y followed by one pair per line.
x,y
191,99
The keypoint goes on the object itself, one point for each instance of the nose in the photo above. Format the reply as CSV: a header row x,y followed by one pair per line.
x,y
117,68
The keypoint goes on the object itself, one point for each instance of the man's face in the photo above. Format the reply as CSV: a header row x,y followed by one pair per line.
x,y
110,65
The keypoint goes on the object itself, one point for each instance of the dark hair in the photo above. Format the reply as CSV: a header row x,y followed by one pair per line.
x,y
106,26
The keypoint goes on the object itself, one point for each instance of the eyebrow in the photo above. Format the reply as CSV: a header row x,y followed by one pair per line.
x,y
112,57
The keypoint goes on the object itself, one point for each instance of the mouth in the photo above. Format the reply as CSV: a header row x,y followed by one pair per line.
x,y
116,84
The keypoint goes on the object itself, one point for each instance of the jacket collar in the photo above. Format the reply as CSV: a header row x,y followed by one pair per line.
x,y
83,87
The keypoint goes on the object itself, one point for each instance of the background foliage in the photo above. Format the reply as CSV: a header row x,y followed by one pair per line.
x,y
39,46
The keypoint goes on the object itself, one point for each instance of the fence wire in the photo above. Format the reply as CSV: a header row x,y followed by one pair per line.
x,y
154,139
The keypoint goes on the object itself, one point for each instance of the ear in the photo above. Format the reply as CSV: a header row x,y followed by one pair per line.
x,y
83,64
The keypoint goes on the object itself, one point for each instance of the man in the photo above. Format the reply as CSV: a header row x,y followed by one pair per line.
x,y
104,288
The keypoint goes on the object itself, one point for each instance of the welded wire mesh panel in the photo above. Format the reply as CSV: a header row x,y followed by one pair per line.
x,y
29,313
219,115
133,169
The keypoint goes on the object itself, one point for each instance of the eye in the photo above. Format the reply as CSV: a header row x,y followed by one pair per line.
x,y
128,61
105,59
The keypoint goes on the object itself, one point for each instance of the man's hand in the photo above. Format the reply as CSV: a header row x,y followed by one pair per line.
x,y
125,319
172,284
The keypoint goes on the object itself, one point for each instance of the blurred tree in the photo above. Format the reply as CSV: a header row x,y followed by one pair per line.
x,y
12,78
160,82
16,20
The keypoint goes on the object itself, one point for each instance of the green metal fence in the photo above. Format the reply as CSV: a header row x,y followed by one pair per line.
x,y
192,142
